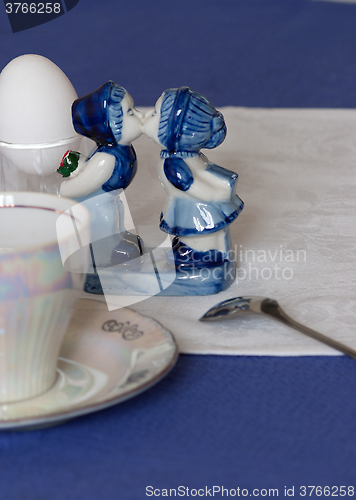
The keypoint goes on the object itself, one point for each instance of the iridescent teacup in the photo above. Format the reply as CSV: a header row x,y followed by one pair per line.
x,y
38,232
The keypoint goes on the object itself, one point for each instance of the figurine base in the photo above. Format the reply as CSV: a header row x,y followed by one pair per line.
x,y
151,275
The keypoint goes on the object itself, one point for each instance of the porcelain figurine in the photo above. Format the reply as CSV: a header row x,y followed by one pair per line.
x,y
201,199
108,117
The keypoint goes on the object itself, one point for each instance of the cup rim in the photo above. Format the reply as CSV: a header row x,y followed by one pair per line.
x,y
43,145
43,201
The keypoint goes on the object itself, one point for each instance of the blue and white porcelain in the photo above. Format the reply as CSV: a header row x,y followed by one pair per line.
x,y
108,117
201,199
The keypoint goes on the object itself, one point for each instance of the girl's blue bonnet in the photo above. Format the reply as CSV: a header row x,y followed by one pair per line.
x,y
189,121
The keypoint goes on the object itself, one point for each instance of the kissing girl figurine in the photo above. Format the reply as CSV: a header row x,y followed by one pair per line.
x,y
108,117
201,200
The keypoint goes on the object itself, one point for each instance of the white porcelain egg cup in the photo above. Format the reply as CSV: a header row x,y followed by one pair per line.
x,y
33,167
36,126
25,167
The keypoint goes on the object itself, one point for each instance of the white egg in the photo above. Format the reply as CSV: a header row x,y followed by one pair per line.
x,y
35,114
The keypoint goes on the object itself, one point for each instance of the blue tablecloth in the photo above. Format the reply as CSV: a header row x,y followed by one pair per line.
x,y
232,422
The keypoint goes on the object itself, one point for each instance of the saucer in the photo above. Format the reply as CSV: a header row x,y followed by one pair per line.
x,y
106,358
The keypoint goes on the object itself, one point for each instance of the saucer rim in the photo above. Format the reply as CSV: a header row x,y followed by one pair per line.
x,y
56,418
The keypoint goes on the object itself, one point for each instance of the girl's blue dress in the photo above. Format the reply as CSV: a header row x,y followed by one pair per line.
x,y
187,216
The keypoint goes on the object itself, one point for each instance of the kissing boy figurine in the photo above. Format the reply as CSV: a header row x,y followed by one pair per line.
x,y
108,117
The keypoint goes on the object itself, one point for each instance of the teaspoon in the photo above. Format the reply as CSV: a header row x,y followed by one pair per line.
x,y
262,305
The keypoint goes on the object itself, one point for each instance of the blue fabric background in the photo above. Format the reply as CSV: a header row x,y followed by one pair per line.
x,y
229,421
277,53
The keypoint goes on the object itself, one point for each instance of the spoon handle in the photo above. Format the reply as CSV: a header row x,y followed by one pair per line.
x,y
272,308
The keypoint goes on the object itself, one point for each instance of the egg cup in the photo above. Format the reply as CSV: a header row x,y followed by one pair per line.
x,y
35,124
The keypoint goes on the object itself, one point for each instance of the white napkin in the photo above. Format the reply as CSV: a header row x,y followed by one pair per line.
x,y
294,240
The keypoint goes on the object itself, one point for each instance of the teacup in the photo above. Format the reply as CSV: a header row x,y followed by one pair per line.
x,y
39,287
